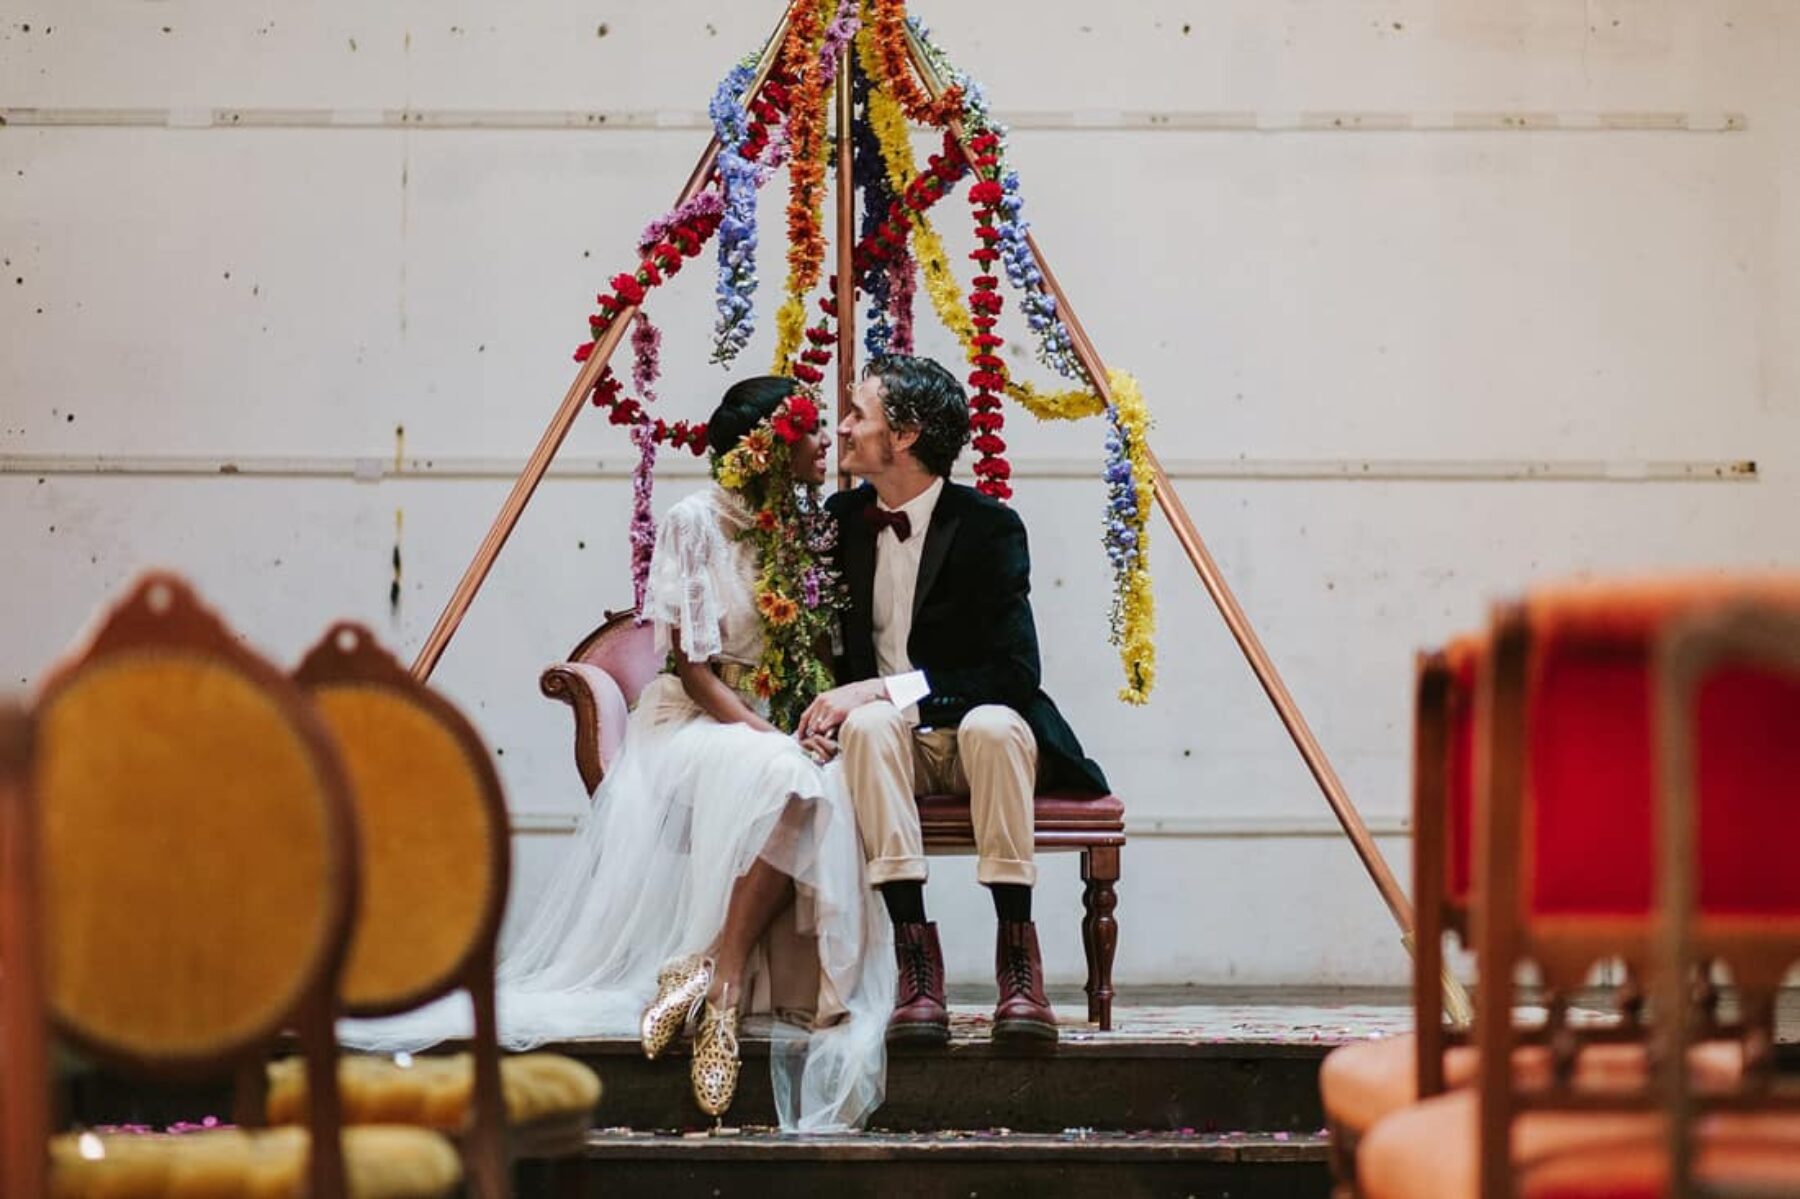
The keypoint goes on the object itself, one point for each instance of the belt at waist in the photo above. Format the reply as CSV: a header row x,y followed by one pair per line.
x,y
735,675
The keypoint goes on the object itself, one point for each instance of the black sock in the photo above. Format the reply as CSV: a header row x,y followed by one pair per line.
x,y
1012,902
905,902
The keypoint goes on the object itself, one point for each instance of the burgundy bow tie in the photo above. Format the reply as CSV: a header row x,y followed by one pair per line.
x,y
880,518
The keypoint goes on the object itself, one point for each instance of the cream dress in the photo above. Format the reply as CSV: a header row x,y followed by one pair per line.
x,y
685,809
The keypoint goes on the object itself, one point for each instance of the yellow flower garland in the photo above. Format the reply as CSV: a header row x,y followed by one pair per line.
x,y
1135,601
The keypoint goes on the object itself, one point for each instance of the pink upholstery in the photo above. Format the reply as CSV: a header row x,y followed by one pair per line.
x,y
628,653
611,709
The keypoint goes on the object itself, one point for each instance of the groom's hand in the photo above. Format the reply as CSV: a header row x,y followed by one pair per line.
x,y
819,747
831,709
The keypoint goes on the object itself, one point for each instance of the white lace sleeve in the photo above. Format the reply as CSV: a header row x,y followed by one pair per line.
x,y
681,594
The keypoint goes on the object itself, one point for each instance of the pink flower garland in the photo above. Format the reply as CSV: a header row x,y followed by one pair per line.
x,y
646,368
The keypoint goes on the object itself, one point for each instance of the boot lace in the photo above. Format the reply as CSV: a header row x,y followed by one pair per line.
x,y
1017,968
918,969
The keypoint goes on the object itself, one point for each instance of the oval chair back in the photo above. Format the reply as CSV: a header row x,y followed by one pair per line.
x,y
197,854
436,856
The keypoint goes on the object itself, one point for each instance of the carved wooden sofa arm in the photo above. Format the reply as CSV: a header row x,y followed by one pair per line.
x,y
600,682
600,714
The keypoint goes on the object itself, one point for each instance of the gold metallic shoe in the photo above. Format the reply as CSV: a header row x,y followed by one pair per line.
x,y
681,987
714,1069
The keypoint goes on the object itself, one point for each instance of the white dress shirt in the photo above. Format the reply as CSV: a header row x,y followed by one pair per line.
x,y
896,582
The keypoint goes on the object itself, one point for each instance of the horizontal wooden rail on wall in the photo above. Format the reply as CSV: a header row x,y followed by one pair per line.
x,y
1351,470
1092,120
1149,826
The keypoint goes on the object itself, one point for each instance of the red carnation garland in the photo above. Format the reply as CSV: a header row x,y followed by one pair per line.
x,y
661,261
988,378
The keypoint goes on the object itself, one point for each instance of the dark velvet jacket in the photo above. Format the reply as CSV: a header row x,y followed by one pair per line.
x,y
972,629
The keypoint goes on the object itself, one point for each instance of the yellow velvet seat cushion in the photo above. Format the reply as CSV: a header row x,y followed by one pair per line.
x,y
1362,1083
380,1163
438,1092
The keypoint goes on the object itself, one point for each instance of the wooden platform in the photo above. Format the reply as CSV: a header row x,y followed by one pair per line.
x,y
1195,1092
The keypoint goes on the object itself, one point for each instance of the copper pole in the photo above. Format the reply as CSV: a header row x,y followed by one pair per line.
x,y
1229,608
846,249
560,424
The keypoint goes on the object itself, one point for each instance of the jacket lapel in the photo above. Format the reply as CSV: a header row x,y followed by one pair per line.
x,y
859,560
944,519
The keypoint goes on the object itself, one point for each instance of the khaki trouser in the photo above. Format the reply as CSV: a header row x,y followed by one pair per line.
x,y
991,757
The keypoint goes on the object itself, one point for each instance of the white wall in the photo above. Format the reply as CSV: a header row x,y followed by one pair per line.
x,y
1464,242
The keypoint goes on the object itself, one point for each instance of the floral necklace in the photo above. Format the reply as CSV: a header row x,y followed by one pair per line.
x,y
798,591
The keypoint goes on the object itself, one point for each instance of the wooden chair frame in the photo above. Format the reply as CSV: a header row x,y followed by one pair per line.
x,y
24,1024
1564,948
947,826
349,656
1758,953
162,614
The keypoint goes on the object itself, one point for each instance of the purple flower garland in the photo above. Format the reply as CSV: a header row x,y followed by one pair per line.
x,y
646,369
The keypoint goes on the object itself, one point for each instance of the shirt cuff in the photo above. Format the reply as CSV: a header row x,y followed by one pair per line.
x,y
905,690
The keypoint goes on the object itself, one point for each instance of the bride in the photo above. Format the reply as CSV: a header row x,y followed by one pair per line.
x,y
719,873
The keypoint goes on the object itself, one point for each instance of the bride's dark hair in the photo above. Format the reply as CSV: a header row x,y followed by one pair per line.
x,y
747,404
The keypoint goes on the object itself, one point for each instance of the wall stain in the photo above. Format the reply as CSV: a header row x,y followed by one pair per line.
x,y
394,587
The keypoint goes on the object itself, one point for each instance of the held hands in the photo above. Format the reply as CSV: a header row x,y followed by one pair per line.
x,y
826,713
819,747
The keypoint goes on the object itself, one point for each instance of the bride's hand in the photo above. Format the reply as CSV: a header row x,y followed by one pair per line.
x,y
818,747
829,710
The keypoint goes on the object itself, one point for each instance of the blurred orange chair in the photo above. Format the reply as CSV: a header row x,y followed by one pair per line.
x,y
1565,871
1362,1082
24,1027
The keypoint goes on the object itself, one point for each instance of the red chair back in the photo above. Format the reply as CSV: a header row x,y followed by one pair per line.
x,y
1566,798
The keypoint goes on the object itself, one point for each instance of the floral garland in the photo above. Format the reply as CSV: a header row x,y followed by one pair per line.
x,y
747,153
897,244
988,378
1129,494
888,286
806,175
798,593
889,25
646,345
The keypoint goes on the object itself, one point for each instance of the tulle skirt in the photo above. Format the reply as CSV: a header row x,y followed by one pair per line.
x,y
687,808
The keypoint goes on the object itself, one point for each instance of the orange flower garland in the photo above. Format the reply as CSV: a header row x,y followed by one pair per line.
x,y
806,175
889,30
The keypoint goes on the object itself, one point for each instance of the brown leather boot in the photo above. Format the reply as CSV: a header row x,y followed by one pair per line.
x,y
920,1017
1023,1015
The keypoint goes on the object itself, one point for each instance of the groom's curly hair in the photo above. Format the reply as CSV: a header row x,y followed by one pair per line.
x,y
918,393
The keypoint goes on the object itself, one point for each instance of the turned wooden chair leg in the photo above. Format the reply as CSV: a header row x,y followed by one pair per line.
x,y
1099,931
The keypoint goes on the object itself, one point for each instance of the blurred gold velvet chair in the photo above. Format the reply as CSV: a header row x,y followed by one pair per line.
x,y
435,837
196,870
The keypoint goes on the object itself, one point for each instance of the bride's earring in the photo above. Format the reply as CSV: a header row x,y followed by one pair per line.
x,y
681,987
714,1070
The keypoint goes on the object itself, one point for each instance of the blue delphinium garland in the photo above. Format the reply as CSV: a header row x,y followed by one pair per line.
x,y
739,180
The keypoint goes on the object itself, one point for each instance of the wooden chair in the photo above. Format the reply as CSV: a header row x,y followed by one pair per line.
x,y
1728,731
1564,879
197,883
605,673
1363,1082
24,1027
436,859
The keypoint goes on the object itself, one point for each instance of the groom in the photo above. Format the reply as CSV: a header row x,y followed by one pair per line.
x,y
942,654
